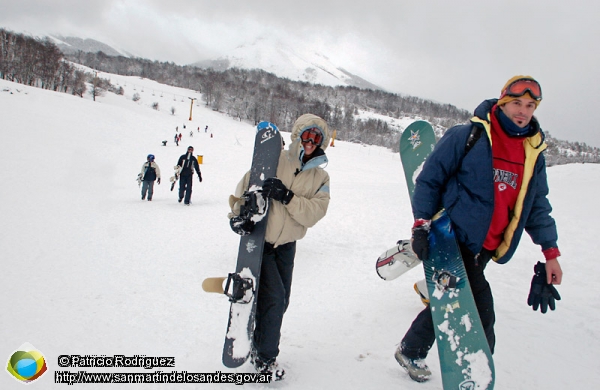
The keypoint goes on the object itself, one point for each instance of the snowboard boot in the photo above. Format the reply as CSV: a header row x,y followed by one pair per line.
x,y
417,368
421,289
269,367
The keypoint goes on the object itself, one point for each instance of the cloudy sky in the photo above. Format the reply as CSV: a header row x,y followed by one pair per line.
x,y
458,52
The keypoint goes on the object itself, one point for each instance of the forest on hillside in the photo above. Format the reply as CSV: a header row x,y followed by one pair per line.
x,y
247,95
255,95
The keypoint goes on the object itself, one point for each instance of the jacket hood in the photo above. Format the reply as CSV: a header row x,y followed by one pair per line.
x,y
307,121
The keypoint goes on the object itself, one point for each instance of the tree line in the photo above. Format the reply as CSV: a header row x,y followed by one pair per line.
x,y
38,62
247,95
255,95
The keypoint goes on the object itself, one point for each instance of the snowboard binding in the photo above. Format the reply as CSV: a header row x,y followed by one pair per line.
x,y
255,203
444,280
173,179
239,289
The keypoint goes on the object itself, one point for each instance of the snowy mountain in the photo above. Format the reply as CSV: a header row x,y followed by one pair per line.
x,y
91,269
71,45
290,59
285,58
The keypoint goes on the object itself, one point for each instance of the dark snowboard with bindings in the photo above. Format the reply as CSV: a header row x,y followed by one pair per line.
x,y
242,285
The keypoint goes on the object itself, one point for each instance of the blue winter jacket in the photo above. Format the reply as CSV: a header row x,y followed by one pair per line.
x,y
463,183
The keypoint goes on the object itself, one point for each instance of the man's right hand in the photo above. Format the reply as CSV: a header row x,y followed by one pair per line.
x,y
419,240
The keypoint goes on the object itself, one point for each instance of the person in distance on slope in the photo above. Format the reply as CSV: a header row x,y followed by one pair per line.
x,y
300,198
492,193
188,163
150,173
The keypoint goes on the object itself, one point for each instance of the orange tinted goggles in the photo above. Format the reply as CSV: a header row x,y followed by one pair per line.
x,y
520,87
313,135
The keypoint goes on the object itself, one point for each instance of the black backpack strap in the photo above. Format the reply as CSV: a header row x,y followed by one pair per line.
x,y
473,138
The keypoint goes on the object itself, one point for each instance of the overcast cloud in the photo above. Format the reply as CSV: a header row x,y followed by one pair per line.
x,y
457,52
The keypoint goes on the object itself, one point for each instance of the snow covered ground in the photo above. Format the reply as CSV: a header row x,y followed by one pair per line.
x,y
91,269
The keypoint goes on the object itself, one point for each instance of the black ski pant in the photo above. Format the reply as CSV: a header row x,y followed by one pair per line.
x,y
420,336
185,188
274,288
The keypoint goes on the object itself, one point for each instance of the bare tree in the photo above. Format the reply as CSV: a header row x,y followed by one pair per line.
x,y
99,86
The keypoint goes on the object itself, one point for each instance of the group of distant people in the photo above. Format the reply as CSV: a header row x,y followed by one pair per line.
x,y
178,135
151,172
186,165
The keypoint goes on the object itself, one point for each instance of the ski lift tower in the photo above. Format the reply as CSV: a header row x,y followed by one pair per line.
x,y
191,106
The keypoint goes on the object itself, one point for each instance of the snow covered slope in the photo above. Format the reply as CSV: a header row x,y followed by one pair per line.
x,y
91,269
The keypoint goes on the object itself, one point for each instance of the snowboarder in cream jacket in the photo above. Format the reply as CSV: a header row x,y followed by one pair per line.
x,y
299,199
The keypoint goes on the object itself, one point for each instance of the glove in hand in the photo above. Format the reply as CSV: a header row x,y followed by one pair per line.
x,y
420,241
273,188
542,295
241,226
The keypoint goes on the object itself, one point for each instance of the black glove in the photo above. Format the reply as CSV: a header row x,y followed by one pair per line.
x,y
200,178
420,241
241,226
158,180
541,293
273,188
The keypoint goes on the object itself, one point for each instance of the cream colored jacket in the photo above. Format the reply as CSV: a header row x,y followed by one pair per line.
x,y
309,182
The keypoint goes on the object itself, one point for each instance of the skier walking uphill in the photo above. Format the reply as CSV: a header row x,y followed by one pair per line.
x,y
492,193
300,198
150,173
188,163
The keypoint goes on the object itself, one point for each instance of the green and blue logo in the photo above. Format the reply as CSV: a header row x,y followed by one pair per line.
x,y
26,364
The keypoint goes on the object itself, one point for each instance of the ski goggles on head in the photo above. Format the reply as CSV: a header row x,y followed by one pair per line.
x,y
520,87
313,135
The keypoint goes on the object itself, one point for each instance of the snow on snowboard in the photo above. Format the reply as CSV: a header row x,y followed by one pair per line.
x,y
242,286
465,358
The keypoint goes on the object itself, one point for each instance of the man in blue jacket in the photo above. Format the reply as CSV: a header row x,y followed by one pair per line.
x,y
492,191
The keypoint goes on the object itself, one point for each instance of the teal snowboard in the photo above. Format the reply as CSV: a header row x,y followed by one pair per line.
x,y
416,143
465,357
